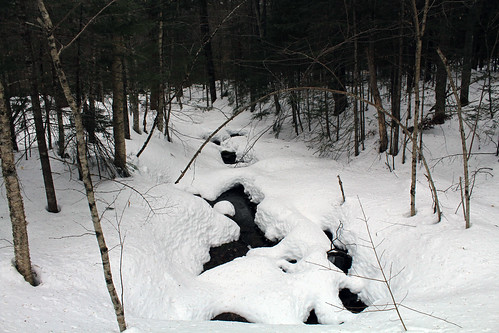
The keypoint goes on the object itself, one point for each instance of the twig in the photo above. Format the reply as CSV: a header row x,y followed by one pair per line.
x,y
385,280
341,188
85,27
74,236
334,269
8,242
429,315
208,139
135,190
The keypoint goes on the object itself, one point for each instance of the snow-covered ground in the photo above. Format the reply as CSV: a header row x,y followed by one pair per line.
x,y
435,269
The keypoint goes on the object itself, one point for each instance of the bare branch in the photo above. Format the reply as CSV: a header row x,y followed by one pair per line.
x,y
85,27
385,280
188,74
467,195
429,315
74,236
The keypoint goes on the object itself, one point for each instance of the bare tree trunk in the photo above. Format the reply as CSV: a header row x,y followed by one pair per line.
x,y
440,81
44,156
397,85
468,50
16,206
91,116
168,115
467,193
38,117
118,112
134,103
61,144
161,93
383,136
326,111
340,100
126,119
417,73
356,85
12,117
146,109
47,106
293,99
205,33
440,94
278,114
87,180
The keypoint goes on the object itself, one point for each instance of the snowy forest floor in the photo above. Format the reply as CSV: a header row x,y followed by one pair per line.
x,y
166,231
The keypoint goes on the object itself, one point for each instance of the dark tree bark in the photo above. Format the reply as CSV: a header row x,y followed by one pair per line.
x,y
134,108
295,109
397,85
12,117
420,27
159,96
90,114
440,80
146,109
118,112
356,120
48,126
14,198
440,93
373,82
29,41
326,111
466,72
89,111
468,51
59,104
126,119
278,114
340,100
205,33
43,151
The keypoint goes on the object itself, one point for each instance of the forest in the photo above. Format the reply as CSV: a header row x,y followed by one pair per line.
x,y
252,48
95,85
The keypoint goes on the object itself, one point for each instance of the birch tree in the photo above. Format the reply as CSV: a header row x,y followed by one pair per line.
x,y
419,32
46,22
16,206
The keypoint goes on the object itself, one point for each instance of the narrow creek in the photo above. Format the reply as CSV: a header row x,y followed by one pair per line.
x,y
252,237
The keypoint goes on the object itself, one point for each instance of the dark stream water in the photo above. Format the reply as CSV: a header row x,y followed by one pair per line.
x,y
252,237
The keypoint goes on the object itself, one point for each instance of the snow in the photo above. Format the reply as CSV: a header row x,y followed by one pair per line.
x,y
167,229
